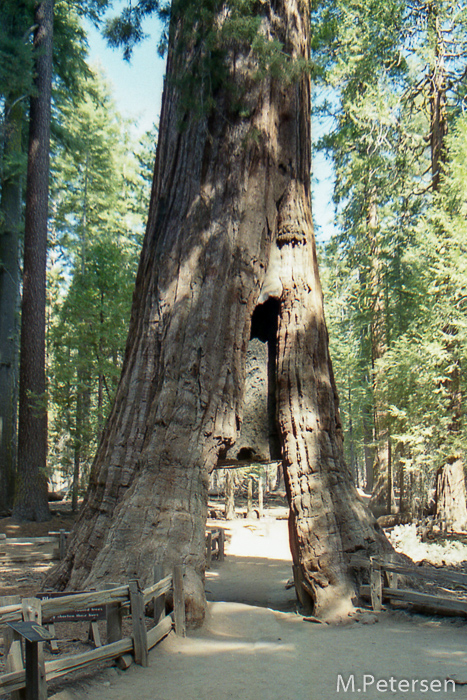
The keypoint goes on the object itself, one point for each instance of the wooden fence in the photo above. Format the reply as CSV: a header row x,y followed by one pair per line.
x,y
116,600
20,549
384,585
215,546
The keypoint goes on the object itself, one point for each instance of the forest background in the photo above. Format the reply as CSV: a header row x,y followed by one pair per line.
x,y
389,107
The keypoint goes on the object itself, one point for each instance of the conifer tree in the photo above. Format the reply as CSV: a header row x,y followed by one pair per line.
x,y
15,85
229,212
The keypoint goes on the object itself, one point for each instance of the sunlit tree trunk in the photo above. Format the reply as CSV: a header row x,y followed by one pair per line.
x,y
450,494
230,201
31,493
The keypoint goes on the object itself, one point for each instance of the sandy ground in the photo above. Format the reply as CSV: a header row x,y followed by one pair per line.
x,y
254,646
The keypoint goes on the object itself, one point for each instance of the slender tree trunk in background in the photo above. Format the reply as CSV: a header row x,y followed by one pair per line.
x,y
31,495
403,500
391,501
382,484
229,496
100,404
353,462
100,383
228,190
75,482
450,494
83,404
10,216
368,444
438,101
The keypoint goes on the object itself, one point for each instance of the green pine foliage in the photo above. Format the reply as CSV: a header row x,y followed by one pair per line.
x,y
394,278
101,183
402,271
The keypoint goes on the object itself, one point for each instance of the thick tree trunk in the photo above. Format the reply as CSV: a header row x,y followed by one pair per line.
x,y
31,493
450,494
10,214
451,512
327,520
230,195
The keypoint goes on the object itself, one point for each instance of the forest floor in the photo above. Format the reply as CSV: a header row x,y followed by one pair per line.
x,y
255,645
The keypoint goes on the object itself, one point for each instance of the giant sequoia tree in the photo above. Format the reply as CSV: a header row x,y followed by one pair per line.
x,y
229,226
31,488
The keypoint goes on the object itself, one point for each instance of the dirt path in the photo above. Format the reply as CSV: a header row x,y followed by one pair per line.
x,y
247,652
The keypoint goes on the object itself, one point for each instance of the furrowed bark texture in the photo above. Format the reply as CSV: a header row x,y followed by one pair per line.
x,y
451,496
230,193
10,211
31,490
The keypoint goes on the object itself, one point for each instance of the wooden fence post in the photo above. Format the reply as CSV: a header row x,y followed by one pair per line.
x,y
391,576
113,614
249,506
138,621
229,496
179,602
208,549
261,496
32,611
376,585
221,545
62,544
159,602
12,647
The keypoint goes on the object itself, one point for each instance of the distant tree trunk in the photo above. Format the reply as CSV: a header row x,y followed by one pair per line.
x,y
382,481
229,496
10,213
450,498
353,462
229,189
368,444
31,495
437,95
450,495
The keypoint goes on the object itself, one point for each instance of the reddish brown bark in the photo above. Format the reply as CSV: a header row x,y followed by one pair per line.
x,y
10,218
230,196
451,512
31,491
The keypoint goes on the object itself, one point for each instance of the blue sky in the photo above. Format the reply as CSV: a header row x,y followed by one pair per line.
x,y
137,90
137,86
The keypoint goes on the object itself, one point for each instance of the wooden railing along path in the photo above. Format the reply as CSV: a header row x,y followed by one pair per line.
x,y
20,549
215,546
384,585
115,600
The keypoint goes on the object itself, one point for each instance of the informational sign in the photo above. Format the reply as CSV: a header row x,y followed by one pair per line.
x,y
31,631
96,612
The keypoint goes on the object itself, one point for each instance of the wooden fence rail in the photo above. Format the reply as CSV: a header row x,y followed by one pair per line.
x,y
215,546
115,601
19,549
384,585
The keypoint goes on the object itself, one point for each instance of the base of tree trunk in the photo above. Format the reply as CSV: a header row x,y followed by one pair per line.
x,y
31,502
451,511
229,231
156,522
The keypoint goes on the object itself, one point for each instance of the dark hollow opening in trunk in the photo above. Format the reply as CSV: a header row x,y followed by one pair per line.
x,y
264,327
